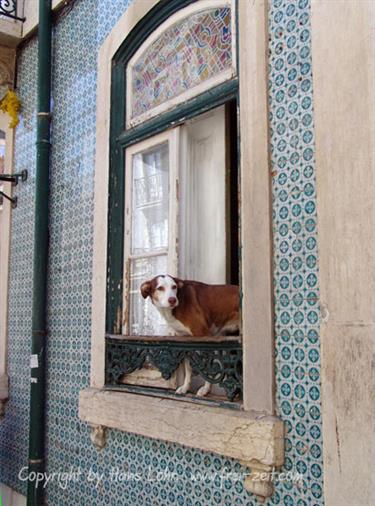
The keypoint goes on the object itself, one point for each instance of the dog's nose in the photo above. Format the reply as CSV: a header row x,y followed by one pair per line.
x,y
172,300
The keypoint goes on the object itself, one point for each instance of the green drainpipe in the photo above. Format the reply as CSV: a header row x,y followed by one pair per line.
x,y
39,332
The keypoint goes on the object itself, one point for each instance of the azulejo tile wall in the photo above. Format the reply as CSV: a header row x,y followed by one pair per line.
x,y
295,247
77,36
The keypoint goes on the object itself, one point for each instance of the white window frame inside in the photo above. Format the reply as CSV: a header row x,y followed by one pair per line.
x,y
207,137
253,434
206,132
171,137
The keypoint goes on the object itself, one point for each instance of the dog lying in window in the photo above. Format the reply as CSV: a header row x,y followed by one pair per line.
x,y
192,308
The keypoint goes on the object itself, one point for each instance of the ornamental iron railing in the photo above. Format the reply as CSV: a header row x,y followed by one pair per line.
x,y
8,9
219,363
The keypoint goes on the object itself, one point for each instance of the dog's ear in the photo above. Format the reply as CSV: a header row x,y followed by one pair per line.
x,y
179,282
146,289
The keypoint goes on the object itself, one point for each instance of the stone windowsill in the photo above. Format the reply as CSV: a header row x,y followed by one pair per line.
x,y
256,440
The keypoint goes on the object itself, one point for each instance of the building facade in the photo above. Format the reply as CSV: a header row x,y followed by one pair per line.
x,y
320,114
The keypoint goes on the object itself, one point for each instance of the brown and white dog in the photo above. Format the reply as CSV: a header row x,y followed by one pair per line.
x,y
192,308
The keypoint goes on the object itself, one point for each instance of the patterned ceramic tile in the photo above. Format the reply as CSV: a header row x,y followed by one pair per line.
x,y
295,246
136,470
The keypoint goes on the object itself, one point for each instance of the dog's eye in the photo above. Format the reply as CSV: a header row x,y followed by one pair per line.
x,y
174,287
161,288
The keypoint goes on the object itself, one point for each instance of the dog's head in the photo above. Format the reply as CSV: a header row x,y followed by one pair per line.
x,y
162,290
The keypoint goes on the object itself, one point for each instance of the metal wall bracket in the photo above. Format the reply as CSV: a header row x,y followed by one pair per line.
x,y
13,178
13,200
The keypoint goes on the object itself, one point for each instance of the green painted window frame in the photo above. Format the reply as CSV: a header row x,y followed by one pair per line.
x,y
121,138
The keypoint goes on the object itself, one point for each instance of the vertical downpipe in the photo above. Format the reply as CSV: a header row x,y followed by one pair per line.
x,y
39,332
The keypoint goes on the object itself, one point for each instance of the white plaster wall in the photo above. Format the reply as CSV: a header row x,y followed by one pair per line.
x,y
31,13
343,45
10,497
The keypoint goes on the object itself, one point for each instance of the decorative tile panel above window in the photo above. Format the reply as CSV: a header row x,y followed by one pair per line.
x,y
192,52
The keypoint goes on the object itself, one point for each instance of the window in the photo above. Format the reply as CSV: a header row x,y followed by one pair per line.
x,y
255,436
174,193
150,228
181,218
180,212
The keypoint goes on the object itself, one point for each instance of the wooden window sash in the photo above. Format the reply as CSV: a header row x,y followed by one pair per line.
x,y
172,138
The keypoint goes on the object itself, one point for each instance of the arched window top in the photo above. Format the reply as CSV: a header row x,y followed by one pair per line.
x,y
188,53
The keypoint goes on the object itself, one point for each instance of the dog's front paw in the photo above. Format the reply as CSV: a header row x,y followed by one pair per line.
x,y
203,391
182,390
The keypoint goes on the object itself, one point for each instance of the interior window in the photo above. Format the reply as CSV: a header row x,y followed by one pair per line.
x,y
181,211
148,226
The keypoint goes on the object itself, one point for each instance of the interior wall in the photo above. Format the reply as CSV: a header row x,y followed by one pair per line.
x,y
343,45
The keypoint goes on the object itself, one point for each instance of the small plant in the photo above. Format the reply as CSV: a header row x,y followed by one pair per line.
x,y
11,104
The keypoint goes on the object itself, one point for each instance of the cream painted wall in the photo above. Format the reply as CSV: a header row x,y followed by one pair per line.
x,y
12,31
343,45
31,13
10,497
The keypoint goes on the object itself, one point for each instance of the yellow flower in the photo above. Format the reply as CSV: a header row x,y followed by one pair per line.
x,y
11,104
